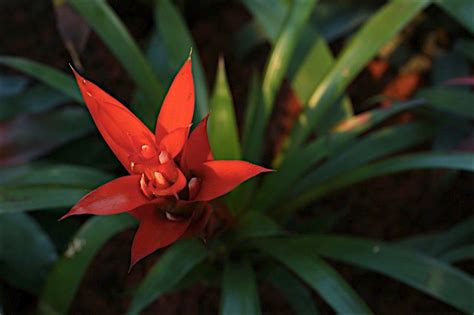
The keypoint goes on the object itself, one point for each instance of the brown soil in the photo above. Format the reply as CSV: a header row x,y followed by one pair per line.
x,y
386,208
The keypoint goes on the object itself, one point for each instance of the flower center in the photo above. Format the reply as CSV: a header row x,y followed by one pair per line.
x,y
161,176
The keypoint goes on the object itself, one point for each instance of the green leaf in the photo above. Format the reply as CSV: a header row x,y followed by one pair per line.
x,y
254,225
269,15
65,278
297,295
316,273
26,253
35,187
421,272
100,16
49,76
222,128
253,120
12,84
375,145
239,289
35,100
459,254
297,164
466,47
439,244
375,33
277,66
451,100
453,160
177,41
461,10
31,136
169,270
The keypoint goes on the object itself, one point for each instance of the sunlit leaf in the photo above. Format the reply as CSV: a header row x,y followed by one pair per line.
x,y
376,32
222,125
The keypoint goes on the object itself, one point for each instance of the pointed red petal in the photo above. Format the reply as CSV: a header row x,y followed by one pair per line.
x,y
119,195
155,231
174,141
197,150
178,107
121,129
220,177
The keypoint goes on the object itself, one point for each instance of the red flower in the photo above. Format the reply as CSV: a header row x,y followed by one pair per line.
x,y
171,177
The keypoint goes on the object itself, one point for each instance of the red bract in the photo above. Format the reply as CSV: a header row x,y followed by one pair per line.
x,y
172,178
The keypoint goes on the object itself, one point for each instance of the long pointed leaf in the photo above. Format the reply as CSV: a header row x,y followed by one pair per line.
x,y
454,160
363,46
63,282
46,74
169,270
100,16
239,289
316,273
424,273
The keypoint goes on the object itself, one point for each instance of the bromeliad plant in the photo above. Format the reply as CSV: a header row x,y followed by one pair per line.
x,y
174,178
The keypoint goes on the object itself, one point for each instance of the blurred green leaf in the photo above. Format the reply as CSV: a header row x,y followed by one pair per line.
x,y
222,128
459,254
31,136
297,164
255,224
421,272
269,15
100,16
35,187
26,253
49,76
63,281
466,47
239,289
297,295
253,117
177,41
451,100
337,19
276,68
12,84
168,271
35,100
315,272
377,144
461,10
375,33
451,160
441,243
